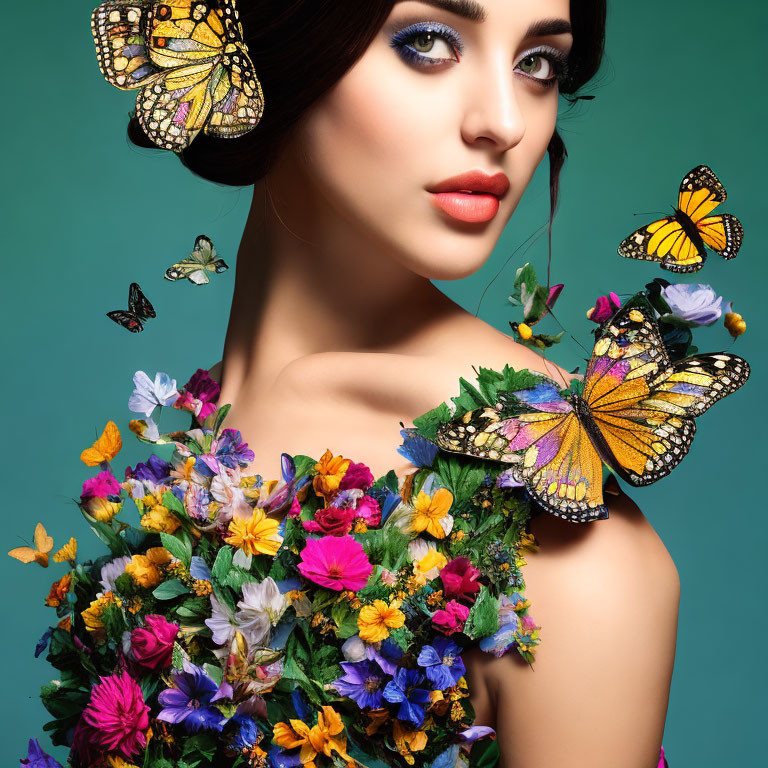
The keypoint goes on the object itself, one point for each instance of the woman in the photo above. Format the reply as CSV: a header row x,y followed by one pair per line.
x,y
336,333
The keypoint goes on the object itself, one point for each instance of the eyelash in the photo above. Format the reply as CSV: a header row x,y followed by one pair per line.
x,y
400,42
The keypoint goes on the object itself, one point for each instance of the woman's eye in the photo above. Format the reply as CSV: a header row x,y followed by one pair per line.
x,y
427,44
537,66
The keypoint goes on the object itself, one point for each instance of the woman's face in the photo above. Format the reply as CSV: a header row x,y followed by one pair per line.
x,y
446,88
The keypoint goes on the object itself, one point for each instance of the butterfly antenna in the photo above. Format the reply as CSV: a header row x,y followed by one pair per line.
x,y
550,312
650,213
527,244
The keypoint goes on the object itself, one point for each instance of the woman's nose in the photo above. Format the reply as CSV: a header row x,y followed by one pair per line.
x,y
493,113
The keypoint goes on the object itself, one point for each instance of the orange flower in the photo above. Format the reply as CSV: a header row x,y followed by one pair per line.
x,y
144,569
324,738
408,741
255,535
330,470
92,614
375,621
59,591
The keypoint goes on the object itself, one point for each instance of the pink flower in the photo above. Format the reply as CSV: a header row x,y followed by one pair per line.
x,y
369,510
200,395
334,521
452,619
459,579
103,485
357,476
604,308
116,718
336,562
388,577
295,508
152,644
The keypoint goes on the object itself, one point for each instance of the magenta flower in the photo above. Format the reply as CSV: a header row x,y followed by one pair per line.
x,y
333,521
103,485
357,476
116,716
452,619
335,562
459,579
368,509
200,395
604,308
152,644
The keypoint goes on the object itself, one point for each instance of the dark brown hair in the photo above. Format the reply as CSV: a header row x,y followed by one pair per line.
x,y
302,48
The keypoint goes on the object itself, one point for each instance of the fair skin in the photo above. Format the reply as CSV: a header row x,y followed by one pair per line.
x,y
337,334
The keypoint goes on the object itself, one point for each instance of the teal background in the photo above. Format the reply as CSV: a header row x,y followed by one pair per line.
x,y
85,214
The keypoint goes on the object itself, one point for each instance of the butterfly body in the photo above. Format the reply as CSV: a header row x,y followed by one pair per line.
x,y
198,264
679,242
139,310
635,414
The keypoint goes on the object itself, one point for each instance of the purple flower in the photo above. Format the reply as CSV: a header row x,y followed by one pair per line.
x,y
155,471
405,690
386,656
228,451
363,682
42,643
36,758
443,663
189,701
694,304
200,395
476,732
604,308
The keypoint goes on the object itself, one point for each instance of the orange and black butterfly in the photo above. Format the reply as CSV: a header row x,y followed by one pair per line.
x,y
635,413
190,61
679,242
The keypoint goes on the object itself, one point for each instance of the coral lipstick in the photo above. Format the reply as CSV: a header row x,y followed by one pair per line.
x,y
471,197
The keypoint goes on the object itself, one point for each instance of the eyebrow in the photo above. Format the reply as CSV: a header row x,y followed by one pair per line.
x,y
469,9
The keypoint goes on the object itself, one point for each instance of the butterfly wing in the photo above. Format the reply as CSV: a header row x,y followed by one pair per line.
x,y
106,447
663,241
139,304
38,553
550,450
128,320
723,234
641,405
43,542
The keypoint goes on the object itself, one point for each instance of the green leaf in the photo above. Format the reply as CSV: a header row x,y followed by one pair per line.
x,y
172,504
236,577
222,565
107,534
178,548
170,589
221,414
483,619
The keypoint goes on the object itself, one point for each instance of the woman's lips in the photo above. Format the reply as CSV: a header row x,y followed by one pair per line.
x,y
471,207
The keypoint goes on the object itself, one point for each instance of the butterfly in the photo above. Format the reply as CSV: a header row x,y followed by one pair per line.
x,y
106,447
190,61
198,264
679,241
37,554
139,310
635,413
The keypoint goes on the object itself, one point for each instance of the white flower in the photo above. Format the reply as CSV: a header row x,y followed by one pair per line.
x,y
695,304
232,499
147,395
111,570
425,554
353,649
221,623
261,608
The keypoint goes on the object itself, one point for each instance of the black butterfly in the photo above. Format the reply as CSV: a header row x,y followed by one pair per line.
x,y
139,309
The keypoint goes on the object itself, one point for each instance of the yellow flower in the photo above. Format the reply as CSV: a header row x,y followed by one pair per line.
x,y
524,330
431,512
92,614
158,518
255,535
144,569
102,510
735,324
427,561
330,470
67,552
375,621
324,738
408,741
118,762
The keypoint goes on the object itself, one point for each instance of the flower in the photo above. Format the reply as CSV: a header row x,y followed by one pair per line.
x,y
363,682
336,562
442,662
147,395
426,559
189,701
221,622
199,395
92,614
111,571
103,485
451,619
368,510
67,553
158,517
247,734
358,475
151,473
144,569
375,620
604,308
404,688
334,521
330,471
408,741
261,608
100,509
36,758
459,579
152,644
353,648
324,738
734,322
525,331
117,715
59,591
694,304
255,535
431,513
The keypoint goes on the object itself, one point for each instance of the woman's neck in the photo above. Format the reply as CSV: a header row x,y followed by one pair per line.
x,y
309,282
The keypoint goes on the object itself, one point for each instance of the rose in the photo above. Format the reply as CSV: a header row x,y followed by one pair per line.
x,y
451,619
152,644
459,579
333,521
604,308
357,476
693,304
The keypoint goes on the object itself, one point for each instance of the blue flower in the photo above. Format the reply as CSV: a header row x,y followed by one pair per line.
x,y
281,758
405,689
36,758
42,643
363,682
189,701
300,704
417,449
198,569
443,663
247,734
693,304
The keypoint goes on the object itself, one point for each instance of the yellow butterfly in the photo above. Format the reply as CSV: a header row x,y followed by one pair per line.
x,y
190,61
636,413
679,242
37,554
105,448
